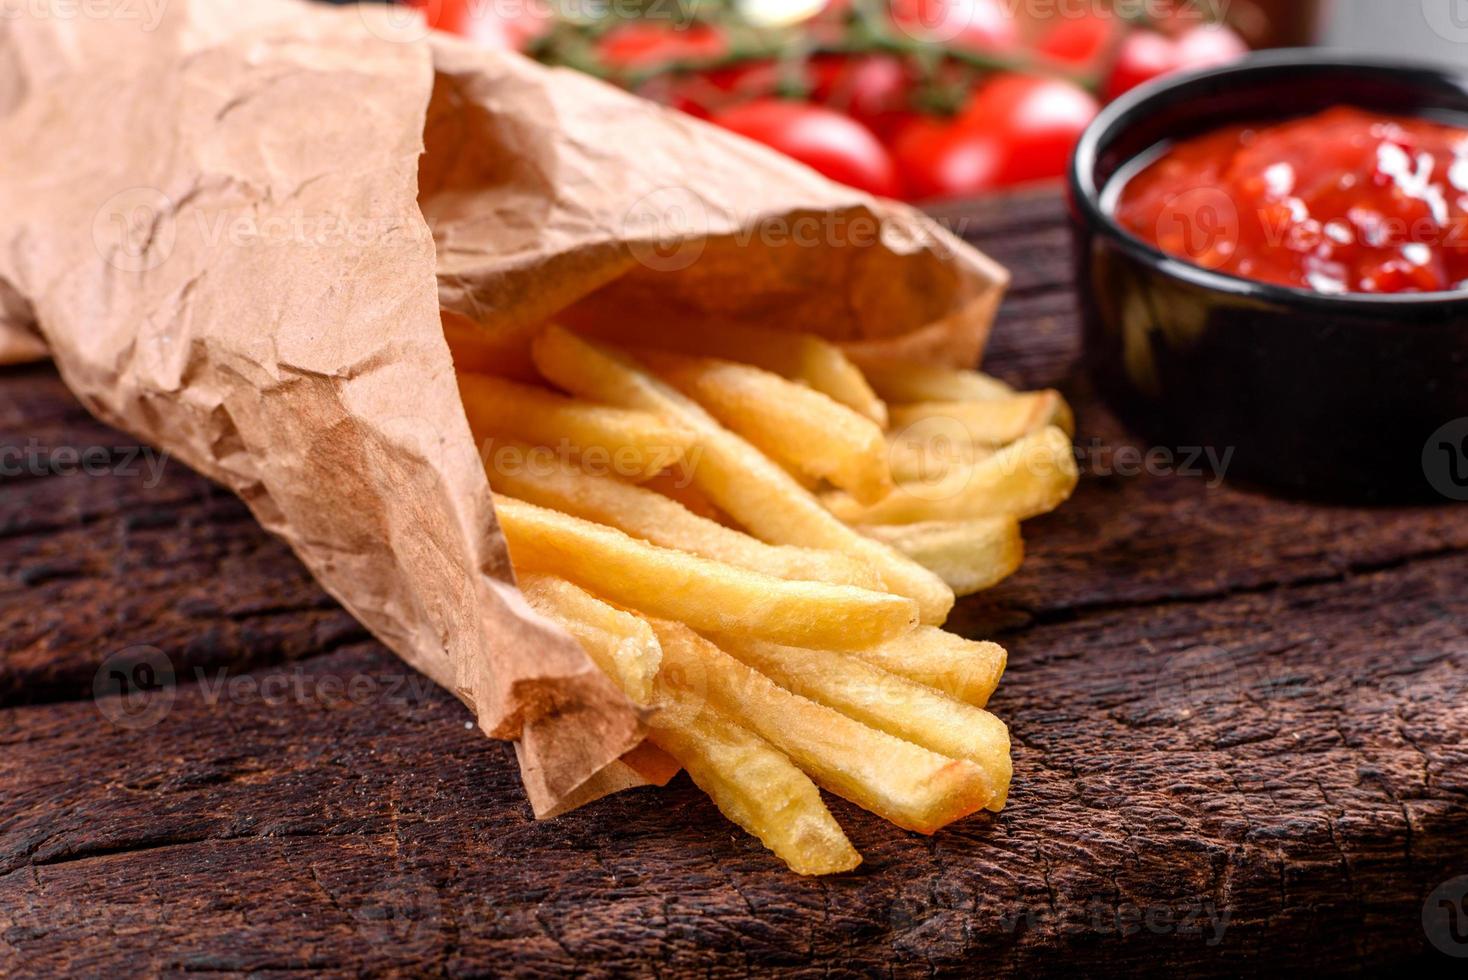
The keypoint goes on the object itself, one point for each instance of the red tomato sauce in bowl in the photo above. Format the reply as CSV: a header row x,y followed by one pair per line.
x,y
1344,201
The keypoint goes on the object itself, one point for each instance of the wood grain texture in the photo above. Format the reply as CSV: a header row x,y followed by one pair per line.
x,y
1241,744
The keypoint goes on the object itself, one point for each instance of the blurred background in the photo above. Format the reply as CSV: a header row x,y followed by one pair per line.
x,y
928,99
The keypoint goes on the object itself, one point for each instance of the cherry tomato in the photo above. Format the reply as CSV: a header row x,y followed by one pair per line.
x,y
827,141
978,24
646,44
944,159
1146,55
1038,121
485,23
872,89
1079,40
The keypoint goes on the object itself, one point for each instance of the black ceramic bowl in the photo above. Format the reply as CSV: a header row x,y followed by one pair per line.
x,y
1352,397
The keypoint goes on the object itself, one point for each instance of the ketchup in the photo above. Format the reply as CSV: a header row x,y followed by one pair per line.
x,y
1345,201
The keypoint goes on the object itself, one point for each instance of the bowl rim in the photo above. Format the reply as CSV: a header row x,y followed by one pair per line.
x,y
1088,197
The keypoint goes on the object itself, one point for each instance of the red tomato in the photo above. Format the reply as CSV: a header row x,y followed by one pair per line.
x,y
1079,40
835,145
944,159
1146,55
646,44
484,23
872,89
1038,121
979,24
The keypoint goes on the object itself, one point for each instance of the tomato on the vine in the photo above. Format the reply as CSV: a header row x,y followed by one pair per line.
x,y
938,158
486,23
1037,120
823,139
1146,55
872,89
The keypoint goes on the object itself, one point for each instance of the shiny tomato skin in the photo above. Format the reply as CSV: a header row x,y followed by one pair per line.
x,y
1079,41
824,140
1037,120
977,24
647,44
944,159
1143,56
1146,55
484,23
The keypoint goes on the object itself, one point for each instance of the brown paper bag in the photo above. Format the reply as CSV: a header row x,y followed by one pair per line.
x,y
234,228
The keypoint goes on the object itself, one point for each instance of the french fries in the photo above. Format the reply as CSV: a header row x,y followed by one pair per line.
x,y
904,384
637,445
737,477
546,480
771,636
750,781
911,786
970,556
1027,478
796,426
994,421
705,594
888,703
756,786
801,357
968,670
621,644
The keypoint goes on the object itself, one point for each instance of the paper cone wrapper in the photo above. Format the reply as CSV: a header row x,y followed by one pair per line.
x,y
246,234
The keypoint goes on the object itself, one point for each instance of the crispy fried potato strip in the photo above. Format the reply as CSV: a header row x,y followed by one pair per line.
x,y
635,445
905,383
621,644
705,594
540,477
800,428
888,703
911,786
970,556
1030,477
801,357
968,670
996,421
736,476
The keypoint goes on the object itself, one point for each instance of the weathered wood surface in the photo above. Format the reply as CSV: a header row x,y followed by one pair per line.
x,y
1241,730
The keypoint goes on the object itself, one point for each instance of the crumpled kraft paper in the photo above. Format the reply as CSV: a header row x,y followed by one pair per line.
x,y
248,233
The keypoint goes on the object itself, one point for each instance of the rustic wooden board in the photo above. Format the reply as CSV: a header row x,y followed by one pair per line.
x,y
1241,730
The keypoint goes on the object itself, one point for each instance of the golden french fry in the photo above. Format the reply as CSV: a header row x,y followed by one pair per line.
x,y
905,383
888,703
997,421
740,479
923,455
968,670
705,594
621,644
801,357
635,445
970,556
540,477
911,786
675,484
800,428
757,787
1030,477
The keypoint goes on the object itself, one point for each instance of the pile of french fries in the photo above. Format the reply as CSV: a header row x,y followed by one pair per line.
x,y
758,542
